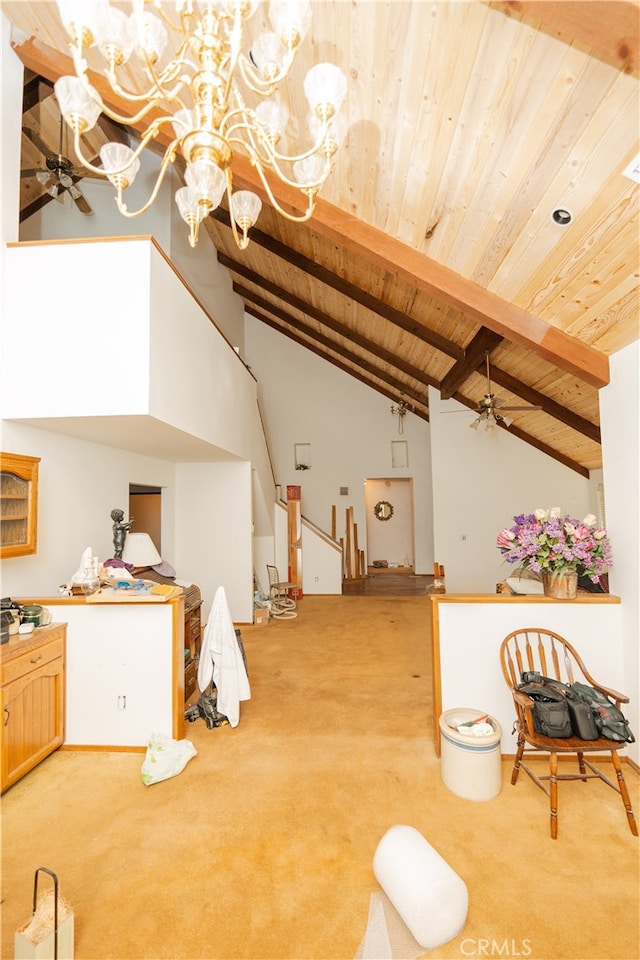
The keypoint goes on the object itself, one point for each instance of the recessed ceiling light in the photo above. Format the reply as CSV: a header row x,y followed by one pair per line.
x,y
562,217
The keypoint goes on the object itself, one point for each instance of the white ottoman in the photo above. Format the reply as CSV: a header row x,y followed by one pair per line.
x,y
431,899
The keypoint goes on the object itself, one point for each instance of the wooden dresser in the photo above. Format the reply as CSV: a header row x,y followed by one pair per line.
x,y
192,632
33,699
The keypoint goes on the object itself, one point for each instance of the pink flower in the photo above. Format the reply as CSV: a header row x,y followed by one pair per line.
x,y
505,538
581,532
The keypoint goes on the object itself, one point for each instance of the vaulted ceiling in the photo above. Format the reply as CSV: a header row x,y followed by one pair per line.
x,y
434,240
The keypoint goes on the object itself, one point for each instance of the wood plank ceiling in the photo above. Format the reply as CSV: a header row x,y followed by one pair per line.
x,y
470,123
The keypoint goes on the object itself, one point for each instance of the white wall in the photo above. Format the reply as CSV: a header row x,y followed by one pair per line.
x,y
211,283
350,428
620,416
213,532
480,483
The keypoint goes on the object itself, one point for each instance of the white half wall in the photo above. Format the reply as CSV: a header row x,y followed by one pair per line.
x,y
210,282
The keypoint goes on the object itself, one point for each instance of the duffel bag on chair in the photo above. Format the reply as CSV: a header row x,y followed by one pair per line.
x,y
550,710
583,724
610,722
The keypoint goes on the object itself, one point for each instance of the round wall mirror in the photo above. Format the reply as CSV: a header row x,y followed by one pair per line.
x,y
383,510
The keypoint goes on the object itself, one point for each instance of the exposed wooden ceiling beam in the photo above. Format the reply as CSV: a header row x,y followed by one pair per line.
x,y
472,363
484,340
410,325
550,407
335,325
475,362
394,387
610,29
481,305
362,240
256,304
260,303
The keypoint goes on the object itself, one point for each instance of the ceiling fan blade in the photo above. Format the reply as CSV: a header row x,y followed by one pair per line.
x,y
37,141
32,172
80,200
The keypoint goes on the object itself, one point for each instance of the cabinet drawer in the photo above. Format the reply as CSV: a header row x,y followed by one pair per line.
x,y
190,679
32,660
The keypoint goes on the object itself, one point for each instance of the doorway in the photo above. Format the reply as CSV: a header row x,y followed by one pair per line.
x,y
390,523
145,506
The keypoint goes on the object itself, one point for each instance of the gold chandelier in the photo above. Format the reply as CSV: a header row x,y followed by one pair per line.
x,y
203,87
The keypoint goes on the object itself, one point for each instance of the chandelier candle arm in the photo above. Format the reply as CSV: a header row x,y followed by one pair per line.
x,y
191,59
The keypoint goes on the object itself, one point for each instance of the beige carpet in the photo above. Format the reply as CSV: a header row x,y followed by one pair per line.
x,y
263,846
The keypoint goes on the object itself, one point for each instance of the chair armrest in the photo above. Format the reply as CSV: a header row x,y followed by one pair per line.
x,y
618,698
523,703
608,691
522,699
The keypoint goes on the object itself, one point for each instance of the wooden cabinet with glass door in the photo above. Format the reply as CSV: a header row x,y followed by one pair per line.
x,y
18,504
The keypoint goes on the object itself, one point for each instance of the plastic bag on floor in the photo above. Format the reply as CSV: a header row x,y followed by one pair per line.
x,y
165,758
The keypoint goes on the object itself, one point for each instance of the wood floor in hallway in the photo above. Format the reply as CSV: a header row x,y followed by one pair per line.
x,y
388,583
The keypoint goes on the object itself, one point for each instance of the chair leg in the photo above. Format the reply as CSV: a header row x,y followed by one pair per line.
x,y
624,792
581,765
518,760
553,794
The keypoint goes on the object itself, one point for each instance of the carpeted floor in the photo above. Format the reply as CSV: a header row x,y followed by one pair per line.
x,y
263,847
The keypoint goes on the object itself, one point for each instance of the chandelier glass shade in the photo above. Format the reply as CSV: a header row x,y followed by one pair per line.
x,y
214,89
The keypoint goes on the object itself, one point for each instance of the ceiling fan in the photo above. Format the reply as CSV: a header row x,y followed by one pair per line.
x,y
60,174
491,409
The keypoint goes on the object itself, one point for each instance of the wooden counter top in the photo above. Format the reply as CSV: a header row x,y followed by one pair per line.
x,y
597,598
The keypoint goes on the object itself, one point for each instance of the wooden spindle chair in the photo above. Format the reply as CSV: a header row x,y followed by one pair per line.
x,y
543,650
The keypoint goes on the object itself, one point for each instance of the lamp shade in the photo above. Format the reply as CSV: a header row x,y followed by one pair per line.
x,y
139,550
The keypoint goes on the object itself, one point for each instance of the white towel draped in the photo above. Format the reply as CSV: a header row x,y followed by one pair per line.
x,y
221,661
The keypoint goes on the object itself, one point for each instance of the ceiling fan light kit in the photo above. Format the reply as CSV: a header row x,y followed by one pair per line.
x,y
204,83
59,171
491,409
